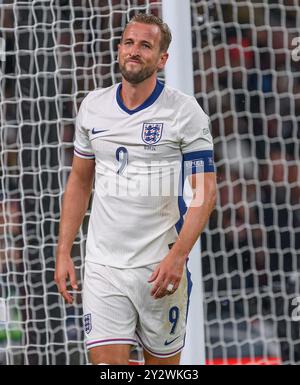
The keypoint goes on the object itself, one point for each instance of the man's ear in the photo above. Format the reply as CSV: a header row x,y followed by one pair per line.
x,y
163,59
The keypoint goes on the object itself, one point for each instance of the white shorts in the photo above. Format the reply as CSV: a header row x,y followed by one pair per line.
x,y
118,309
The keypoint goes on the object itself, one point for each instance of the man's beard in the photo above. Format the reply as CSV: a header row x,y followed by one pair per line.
x,y
136,77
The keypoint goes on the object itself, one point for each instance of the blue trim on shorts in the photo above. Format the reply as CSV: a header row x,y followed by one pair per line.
x,y
162,355
83,154
189,290
108,341
189,287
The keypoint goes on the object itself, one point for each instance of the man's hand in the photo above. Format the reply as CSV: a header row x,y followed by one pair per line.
x,y
64,270
169,271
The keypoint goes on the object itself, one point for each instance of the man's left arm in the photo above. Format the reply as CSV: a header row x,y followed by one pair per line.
x,y
170,269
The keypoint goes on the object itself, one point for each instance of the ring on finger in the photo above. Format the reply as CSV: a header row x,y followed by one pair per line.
x,y
170,287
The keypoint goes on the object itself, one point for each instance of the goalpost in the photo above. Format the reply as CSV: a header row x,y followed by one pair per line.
x,y
246,78
179,74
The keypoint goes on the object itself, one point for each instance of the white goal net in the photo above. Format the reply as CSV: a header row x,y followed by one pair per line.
x,y
51,54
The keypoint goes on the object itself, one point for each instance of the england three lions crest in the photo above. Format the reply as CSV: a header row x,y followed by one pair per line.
x,y
87,323
152,132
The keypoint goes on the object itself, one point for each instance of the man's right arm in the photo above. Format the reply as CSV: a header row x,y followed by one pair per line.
x,y
75,203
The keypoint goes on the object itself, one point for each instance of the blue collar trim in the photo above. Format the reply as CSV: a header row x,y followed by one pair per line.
x,y
147,103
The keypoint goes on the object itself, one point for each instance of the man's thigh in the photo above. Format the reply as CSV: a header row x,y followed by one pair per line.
x,y
109,316
110,355
152,360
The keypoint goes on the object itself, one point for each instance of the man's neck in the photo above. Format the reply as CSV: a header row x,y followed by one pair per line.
x,y
134,95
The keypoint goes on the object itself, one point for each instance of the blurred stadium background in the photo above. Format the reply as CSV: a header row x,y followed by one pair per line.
x,y
245,78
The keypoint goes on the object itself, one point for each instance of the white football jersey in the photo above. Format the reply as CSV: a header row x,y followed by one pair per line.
x,y
139,156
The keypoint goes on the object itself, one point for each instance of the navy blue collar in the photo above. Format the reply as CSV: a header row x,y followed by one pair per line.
x,y
147,103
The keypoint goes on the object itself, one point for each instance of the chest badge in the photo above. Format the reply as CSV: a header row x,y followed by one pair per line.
x,y
152,132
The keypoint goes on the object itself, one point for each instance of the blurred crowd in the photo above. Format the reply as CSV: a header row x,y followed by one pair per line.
x,y
251,93
248,82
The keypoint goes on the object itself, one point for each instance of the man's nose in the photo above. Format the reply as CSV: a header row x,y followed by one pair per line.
x,y
135,50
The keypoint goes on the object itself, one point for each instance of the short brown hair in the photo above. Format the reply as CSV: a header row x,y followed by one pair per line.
x,y
147,18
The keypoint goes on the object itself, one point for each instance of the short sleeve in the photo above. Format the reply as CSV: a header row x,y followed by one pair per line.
x,y
82,144
195,138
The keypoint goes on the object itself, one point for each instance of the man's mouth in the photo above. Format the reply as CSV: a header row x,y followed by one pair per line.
x,y
136,61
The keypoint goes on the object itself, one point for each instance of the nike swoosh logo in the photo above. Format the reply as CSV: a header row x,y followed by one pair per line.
x,y
169,342
94,131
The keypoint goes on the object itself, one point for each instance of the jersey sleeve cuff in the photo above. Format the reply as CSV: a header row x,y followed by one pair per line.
x,y
83,154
